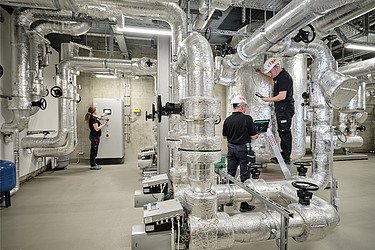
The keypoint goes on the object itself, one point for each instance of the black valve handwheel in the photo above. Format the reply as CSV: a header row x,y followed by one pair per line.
x,y
43,104
47,92
307,36
305,185
56,91
79,99
302,163
159,108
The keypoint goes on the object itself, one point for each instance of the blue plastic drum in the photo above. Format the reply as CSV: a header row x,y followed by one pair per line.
x,y
7,176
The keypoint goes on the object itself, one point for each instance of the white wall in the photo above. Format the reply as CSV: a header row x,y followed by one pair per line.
x,y
42,120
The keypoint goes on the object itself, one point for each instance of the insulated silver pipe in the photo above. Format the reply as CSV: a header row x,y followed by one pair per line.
x,y
200,148
20,104
84,64
321,137
359,68
343,15
337,88
291,18
42,4
312,222
69,28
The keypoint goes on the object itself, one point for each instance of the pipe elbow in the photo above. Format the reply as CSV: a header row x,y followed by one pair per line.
x,y
319,218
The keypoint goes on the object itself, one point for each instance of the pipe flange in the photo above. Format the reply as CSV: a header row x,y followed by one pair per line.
x,y
201,108
272,224
189,156
200,143
17,102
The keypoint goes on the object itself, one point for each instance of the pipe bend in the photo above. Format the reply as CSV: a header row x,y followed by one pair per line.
x,y
38,142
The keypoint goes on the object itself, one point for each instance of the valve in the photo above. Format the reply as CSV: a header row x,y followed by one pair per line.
x,y
361,128
303,191
45,133
254,170
56,91
79,99
306,36
169,108
225,49
305,96
47,92
152,115
42,104
302,169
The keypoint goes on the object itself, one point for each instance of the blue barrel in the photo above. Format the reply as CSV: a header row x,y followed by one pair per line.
x,y
7,176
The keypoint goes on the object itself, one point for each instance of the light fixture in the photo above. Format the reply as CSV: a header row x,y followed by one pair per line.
x,y
142,30
105,76
360,46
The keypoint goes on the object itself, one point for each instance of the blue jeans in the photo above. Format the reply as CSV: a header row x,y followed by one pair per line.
x,y
237,155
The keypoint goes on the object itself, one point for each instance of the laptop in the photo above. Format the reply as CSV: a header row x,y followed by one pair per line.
x,y
261,126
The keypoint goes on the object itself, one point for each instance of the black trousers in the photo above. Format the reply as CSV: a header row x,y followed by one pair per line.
x,y
94,149
237,155
284,115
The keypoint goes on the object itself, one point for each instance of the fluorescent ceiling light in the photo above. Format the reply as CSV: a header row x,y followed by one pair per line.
x,y
359,46
105,76
142,30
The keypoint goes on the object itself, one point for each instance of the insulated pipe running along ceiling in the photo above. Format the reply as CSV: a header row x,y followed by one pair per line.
x,y
359,68
343,15
294,16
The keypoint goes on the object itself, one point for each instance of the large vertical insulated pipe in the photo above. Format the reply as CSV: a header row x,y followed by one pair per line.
x,y
20,103
297,68
200,148
321,137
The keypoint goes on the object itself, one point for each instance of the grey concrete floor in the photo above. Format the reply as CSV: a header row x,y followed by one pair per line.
x,y
78,208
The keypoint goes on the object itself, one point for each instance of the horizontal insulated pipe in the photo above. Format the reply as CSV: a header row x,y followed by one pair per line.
x,y
359,68
42,4
68,28
343,15
291,18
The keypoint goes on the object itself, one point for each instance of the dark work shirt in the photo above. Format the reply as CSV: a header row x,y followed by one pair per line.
x,y
92,121
283,82
238,128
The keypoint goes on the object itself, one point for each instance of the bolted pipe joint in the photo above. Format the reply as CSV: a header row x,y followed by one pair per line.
x,y
201,108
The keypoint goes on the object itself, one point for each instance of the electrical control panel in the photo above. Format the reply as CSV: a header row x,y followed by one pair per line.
x,y
155,184
159,216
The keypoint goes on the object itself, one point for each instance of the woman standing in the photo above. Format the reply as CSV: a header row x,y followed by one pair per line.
x,y
95,126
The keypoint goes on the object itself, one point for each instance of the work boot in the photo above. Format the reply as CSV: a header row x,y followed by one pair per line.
x,y
245,207
274,160
96,167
